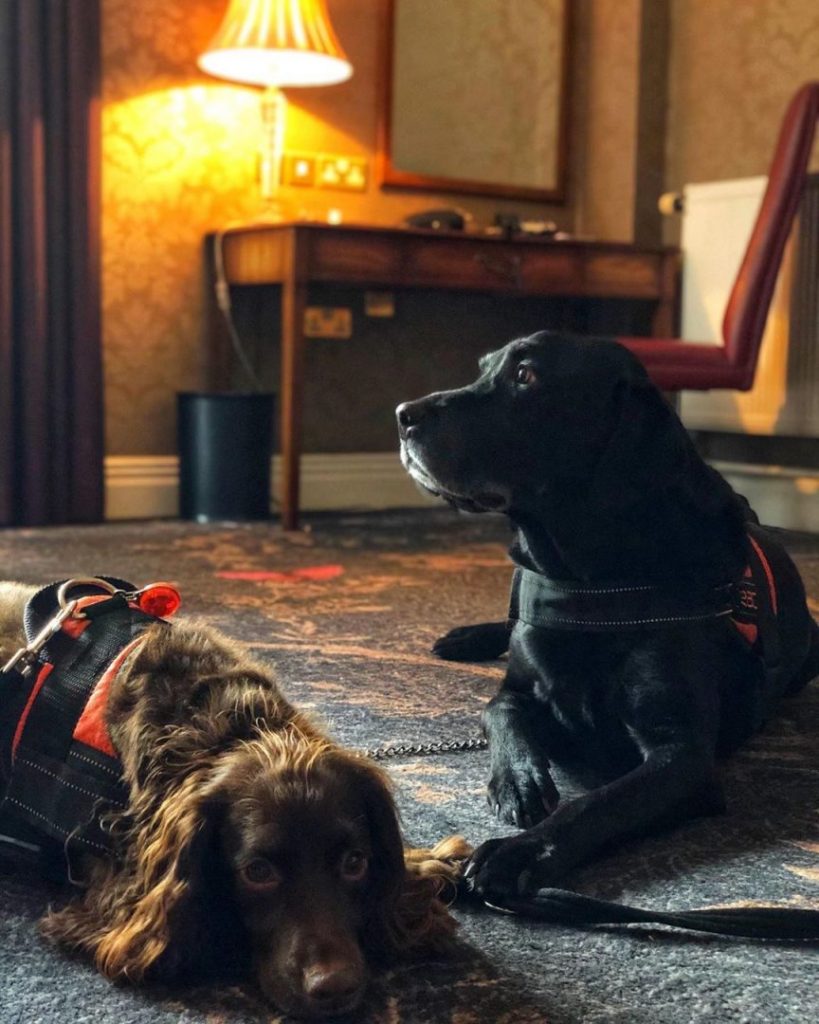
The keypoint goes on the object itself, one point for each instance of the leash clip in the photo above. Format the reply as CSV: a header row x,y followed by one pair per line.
x,y
27,655
22,661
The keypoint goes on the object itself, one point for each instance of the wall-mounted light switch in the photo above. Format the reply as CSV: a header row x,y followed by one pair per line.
x,y
379,304
299,169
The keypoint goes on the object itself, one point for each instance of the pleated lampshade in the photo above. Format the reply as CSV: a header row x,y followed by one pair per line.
x,y
281,43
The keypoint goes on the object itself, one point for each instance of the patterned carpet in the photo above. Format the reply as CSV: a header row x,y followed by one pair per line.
x,y
347,611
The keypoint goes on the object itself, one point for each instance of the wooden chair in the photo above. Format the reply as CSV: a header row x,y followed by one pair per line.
x,y
675,365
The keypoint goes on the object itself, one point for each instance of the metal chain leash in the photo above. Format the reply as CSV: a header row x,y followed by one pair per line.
x,y
427,749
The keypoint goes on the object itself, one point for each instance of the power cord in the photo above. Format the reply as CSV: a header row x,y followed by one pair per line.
x,y
223,301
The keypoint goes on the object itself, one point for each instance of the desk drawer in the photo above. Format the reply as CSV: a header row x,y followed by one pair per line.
x,y
475,264
627,275
488,266
340,255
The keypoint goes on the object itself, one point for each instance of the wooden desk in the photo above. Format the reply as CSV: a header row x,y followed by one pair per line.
x,y
294,255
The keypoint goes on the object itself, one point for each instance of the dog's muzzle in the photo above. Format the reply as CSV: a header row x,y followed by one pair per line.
x,y
483,497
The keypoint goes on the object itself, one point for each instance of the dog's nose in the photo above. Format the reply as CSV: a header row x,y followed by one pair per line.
x,y
408,415
333,987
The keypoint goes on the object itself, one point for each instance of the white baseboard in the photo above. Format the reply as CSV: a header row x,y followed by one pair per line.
x,y
147,486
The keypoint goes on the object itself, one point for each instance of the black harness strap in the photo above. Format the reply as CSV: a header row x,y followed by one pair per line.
x,y
62,803
555,604
56,788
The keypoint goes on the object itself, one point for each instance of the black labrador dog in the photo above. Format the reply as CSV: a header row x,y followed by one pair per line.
x,y
653,623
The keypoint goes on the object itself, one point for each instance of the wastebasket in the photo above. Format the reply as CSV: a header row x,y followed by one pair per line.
x,y
225,447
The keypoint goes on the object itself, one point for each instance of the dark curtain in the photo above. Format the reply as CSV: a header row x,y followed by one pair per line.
x,y
51,430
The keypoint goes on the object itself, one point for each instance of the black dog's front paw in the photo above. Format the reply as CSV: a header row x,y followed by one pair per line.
x,y
482,642
513,866
522,793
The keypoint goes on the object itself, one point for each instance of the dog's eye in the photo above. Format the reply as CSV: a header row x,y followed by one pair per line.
x,y
354,866
525,375
261,874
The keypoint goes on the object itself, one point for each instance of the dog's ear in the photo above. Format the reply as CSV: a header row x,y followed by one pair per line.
x,y
382,824
407,913
647,449
141,917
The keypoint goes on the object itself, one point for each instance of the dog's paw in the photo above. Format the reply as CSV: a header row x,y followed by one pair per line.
x,y
513,866
523,793
482,642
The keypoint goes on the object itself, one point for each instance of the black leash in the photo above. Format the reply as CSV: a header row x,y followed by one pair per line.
x,y
562,906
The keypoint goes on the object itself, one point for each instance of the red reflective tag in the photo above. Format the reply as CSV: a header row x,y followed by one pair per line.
x,y
160,599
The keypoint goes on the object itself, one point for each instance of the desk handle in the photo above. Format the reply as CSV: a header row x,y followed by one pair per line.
x,y
507,267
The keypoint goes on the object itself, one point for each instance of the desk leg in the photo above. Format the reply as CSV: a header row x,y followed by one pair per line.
x,y
666,320
294,300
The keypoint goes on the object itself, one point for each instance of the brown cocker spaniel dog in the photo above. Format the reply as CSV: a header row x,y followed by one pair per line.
x,y
250,841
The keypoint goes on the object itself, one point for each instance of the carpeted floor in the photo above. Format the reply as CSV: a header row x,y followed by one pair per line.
x,y
351,641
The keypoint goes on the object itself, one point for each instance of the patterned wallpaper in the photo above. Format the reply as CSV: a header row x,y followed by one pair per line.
x,y
167,136
608,52
179,160
734,67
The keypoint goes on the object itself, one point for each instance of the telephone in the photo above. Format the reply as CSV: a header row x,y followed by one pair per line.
x,y
449,219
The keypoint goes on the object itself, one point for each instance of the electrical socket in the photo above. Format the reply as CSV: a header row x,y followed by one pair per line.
x,y
328,322
348,173
326,170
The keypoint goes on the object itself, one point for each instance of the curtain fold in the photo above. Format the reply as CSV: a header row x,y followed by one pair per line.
x,y
51,415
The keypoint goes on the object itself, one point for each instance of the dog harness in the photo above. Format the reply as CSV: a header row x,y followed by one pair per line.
x,y
59,771
750,603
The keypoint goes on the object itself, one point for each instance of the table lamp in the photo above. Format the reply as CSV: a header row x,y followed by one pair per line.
x,y
276,44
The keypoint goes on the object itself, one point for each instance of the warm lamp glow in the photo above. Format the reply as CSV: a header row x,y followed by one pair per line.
x,y
279,43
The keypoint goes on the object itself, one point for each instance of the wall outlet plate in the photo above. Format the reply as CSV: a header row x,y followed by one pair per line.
x,y
328,322
348,173
326,170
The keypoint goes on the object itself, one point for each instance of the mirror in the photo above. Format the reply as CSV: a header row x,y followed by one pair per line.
x,y
476,97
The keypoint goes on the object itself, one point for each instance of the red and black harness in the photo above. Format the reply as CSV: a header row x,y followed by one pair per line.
x,y
750,603
59,771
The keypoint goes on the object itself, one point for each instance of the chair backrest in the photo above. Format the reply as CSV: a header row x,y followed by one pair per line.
x,y
747,309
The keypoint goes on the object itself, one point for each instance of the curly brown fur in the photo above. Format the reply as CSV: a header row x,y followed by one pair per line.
x,y
250,841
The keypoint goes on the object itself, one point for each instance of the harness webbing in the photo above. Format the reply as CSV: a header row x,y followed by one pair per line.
x,y
59,773
540,601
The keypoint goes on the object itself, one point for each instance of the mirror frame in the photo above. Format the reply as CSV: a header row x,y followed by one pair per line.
x,y
390,175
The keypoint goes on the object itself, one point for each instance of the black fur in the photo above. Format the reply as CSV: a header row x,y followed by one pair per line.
x,y
569,438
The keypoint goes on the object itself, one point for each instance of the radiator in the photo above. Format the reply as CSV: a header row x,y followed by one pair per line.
x,y
716,226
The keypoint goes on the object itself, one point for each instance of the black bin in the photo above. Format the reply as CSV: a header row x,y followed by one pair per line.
x,y
225,448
